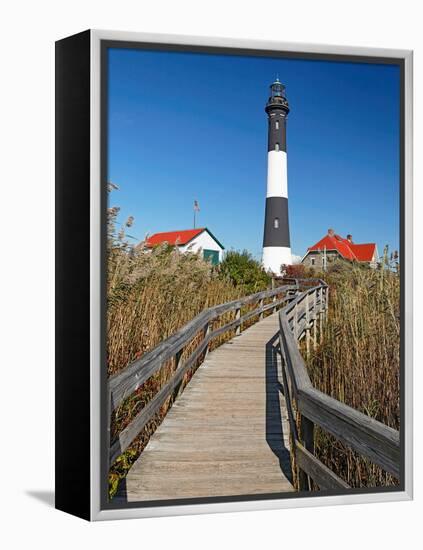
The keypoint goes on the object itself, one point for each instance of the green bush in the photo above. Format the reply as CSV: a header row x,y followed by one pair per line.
x,y
244,271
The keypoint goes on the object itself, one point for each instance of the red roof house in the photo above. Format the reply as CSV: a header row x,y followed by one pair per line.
x,y
333,246
199,240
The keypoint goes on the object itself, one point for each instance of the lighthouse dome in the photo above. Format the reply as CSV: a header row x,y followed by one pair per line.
x,y
277,100
277,89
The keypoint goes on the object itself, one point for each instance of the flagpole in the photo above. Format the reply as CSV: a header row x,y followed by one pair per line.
x,y
196,209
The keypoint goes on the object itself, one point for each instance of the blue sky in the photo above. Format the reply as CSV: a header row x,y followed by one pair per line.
x,y
188,126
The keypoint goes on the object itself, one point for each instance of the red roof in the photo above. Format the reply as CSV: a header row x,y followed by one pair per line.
x,y
173,237
364,252
347,249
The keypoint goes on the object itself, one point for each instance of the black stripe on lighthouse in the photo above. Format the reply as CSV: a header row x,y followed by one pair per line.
x,y
277,131
276,225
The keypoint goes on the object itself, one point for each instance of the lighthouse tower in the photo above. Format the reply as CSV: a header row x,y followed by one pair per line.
x,y
276,244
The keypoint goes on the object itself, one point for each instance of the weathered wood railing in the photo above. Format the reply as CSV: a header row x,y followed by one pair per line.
x,y
302,318
123,384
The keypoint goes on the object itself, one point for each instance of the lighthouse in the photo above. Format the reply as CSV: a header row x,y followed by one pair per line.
x,y
276,243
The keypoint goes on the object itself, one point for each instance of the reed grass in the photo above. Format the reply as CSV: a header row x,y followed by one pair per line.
x,y
358,361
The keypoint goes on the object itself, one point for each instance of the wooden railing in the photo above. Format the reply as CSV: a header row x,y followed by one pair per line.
x,y
196,336
307,406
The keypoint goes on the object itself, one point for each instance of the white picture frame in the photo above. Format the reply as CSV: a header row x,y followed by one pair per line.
x,y
92,506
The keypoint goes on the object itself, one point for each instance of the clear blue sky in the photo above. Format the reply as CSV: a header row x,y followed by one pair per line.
x,y
192,126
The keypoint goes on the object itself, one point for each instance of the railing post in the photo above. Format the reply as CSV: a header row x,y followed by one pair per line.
x,y
321,313
315,318
178,357
274,307
307,436
307,326
109,427
261,304
178,388
238,316
295,322
326,303
207,330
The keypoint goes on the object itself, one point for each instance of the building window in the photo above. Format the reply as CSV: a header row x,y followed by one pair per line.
x,y
276,223
276,146
313,261
277,125
211,256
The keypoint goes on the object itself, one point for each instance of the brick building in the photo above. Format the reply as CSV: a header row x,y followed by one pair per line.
x,y
333,247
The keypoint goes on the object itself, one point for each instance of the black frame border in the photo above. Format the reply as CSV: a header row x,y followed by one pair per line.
x,y
72,275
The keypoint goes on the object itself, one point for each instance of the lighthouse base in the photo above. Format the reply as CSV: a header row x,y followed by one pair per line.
x,y
276,256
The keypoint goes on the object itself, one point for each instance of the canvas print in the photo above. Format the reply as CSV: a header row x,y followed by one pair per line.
x,y
252,275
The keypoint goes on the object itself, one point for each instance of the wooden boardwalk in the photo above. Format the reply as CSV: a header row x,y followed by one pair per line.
x,y
227,434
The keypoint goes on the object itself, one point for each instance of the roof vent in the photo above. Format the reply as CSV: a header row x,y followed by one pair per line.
x,y
331,232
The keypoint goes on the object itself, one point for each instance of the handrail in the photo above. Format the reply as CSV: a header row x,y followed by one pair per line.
x,y
367,436
123,384
139,371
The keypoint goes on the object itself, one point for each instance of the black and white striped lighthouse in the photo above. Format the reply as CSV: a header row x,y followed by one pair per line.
x,y
276,243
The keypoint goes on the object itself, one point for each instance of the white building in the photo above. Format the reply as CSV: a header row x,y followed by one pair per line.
x,y
191,240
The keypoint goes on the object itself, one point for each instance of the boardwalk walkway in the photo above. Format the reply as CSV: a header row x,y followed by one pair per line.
x,y
227,434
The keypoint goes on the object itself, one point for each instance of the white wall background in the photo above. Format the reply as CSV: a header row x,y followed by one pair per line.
x,y
26,352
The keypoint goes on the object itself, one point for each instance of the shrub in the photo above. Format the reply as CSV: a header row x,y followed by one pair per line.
x,y
243,271
295,271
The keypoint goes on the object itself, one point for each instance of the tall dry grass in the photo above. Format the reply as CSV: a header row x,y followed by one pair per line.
x,y
358,361
150,295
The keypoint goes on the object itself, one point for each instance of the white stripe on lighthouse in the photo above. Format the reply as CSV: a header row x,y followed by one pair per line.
x,y
277,186
276,256
277,177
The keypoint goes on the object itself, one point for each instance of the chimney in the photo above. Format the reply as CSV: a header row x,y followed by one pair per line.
x,y
331,232
349,239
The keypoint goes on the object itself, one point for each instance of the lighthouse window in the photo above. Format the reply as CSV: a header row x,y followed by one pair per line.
x,y
276,223
276,146
277,125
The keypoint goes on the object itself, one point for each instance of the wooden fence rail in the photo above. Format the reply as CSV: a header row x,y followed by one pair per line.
x,y
301,318
123,384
